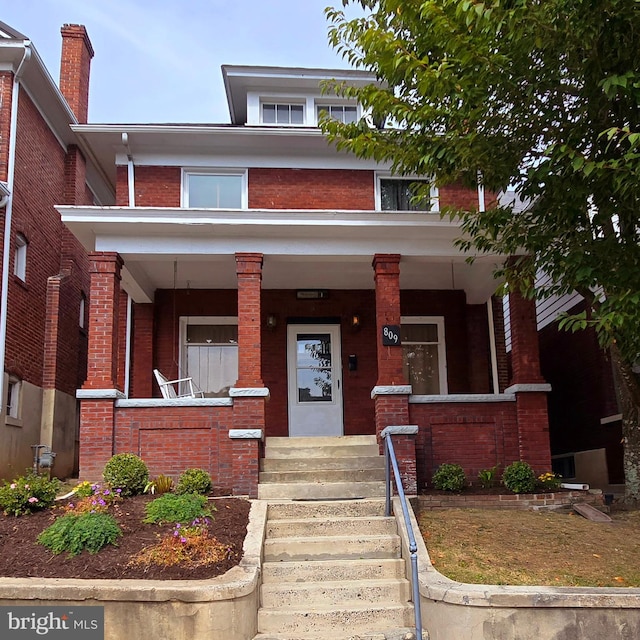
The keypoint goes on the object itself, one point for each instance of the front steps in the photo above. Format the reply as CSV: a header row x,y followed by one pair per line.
x,y
332,570
321,468
332,561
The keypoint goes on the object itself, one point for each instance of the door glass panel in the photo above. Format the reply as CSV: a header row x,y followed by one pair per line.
x,y
420,358
313,367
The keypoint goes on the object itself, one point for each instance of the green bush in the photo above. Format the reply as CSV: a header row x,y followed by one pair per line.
x,y
27,493
171,507
160,484
519,477
127,472
194,481
487,477
449,477
75,532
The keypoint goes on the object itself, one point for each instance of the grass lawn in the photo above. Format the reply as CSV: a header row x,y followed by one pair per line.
x,y
492,546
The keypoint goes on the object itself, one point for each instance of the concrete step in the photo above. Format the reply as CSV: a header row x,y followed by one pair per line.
x,y
328,622
316,450
325,475
400,633
305,464
331,570
320,441
359,508
320,490
331,548
315,527
340,593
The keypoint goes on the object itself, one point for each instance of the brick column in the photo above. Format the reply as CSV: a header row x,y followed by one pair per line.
x,y
391,393
528,385
104,317
249,271
249,395
99,392
142,351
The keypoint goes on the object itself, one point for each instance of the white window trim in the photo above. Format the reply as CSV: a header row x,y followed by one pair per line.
x,y
387,175
13,406
187,320
213,171
442,345
299,102
327,102
20,257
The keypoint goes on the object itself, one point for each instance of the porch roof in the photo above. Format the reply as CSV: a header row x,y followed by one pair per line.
x,y
165,248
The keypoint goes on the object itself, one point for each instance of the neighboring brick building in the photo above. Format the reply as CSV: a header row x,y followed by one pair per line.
x,y
45,281
299,288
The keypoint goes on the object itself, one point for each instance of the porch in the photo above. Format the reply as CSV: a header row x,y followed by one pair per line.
x,y
472,426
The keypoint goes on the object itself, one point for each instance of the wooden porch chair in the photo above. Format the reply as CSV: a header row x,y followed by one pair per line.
x,y
171,388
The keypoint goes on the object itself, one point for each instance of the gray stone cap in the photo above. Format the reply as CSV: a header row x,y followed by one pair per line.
x,y
528,388
403,429
249,392
142,403
245,434
391,390
463,398
99,394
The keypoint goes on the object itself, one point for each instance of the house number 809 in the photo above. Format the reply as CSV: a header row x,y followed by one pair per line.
x,y
391,335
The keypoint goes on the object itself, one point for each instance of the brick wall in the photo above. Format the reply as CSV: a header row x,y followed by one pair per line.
x,y
475,436
172,439
311,189
155,186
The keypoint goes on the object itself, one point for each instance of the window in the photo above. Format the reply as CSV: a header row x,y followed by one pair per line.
x,y
20,258
214,190
343,113
82,319
210,353
423,355
278,113
13,397
397,194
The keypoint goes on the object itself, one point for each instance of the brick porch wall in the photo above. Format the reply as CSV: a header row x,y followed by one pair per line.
x,y
172,439
474,435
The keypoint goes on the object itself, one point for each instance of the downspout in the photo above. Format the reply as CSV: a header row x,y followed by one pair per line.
x,y
6,245
131,184
131,188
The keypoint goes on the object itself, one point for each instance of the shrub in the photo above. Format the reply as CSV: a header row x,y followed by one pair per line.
x,y
519,477
84,489
98,501
449,477
549,480
27,493
161,484
177,508
487,477
75,532
194,481
127,472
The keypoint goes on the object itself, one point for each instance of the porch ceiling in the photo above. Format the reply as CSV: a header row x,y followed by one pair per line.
x,y
186,248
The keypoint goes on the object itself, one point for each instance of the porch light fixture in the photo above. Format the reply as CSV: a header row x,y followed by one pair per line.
x,y
272,321
355,321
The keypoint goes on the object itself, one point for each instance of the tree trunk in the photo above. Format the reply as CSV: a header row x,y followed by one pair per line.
x,y
629,395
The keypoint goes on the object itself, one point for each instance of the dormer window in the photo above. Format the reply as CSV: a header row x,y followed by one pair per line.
x,y
340,112
282,113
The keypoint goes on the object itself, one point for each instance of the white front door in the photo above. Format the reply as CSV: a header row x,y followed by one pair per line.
x,y
314,369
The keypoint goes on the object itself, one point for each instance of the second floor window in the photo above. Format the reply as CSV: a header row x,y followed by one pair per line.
x,y
399,194
214,190
20,258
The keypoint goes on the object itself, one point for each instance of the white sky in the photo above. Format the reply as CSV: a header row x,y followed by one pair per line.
x,y
159,60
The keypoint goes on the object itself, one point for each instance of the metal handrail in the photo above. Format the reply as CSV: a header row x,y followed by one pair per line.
x,y
392,462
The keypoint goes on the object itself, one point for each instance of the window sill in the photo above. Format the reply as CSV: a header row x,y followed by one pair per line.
x,y
20,282
13,422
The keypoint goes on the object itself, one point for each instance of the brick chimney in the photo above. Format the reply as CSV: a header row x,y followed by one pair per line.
x,y
75,67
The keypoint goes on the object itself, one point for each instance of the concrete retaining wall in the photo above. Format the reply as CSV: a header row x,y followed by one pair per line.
x,y
457,611
223,607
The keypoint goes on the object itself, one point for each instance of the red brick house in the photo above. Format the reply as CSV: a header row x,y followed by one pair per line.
x,y
300,290
45,281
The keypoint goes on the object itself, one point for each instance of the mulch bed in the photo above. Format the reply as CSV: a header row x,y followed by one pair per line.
x,y
21,556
